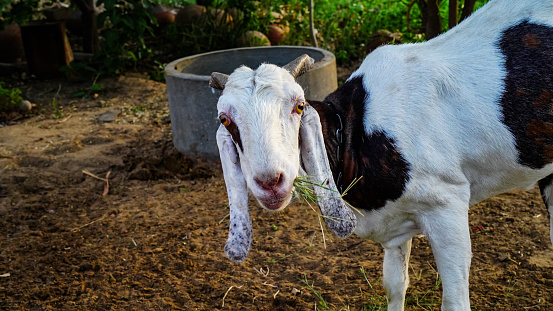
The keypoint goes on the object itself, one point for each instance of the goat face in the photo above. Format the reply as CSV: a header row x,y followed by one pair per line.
x,y
267,132
262,110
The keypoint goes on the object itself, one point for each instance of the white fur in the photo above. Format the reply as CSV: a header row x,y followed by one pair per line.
x,y
262,104
443,95
439,101
268,130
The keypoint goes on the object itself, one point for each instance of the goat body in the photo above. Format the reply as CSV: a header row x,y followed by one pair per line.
x,y
432,128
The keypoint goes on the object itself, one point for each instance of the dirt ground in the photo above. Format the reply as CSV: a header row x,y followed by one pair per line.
x,y
154,239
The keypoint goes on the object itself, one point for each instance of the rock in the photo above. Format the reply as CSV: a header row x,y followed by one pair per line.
x,y
108,116
25,106
253,38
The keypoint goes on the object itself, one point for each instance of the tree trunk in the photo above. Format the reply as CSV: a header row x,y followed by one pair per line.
x,y
312,26
434,22
468,8
424,15
90,26
453,12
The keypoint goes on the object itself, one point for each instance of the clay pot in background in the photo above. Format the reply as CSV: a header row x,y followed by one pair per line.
x,y
253,38
190,14
164,18
277,33
11,44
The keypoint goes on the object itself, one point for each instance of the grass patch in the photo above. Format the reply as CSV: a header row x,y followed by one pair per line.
x,y
322,304
375,300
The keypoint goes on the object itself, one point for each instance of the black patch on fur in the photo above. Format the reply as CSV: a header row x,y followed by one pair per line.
x,y
235,133
528,98
375,157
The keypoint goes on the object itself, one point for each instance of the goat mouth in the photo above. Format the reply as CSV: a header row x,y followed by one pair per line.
x,y
275,204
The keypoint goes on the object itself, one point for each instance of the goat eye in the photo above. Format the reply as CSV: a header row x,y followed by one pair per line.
x,y
224,120
299,108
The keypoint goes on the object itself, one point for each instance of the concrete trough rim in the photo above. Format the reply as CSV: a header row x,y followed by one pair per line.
x,y
193,125
171,68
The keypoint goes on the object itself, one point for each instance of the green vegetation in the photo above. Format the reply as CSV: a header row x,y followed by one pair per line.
x,y
23,11
57,112
344,27
131,38
126,25
322,305
10,99
90,91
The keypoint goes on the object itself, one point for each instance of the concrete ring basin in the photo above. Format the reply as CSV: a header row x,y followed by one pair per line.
x,y
193,104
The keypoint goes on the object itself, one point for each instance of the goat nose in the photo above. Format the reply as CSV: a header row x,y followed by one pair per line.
x,y
269,183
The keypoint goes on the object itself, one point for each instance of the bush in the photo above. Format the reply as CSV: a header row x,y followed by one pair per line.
x,y
126,24
10,99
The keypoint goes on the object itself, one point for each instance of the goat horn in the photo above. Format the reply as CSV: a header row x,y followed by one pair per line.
x,y
218,80
300,65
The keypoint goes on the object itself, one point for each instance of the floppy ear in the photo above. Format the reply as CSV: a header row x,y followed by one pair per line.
x,y
240,230
337,215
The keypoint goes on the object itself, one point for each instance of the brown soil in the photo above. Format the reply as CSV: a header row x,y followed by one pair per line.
x,y
155,240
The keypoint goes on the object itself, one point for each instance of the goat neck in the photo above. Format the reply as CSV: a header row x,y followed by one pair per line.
x,y
333,133
369,161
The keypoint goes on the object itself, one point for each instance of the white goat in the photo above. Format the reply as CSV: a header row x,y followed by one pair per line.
x,y
433,128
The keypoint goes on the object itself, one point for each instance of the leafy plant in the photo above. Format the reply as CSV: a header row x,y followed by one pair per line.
x,y
125,25
90,91
10,99
56,109
79,70
139,108
158,74
22,11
